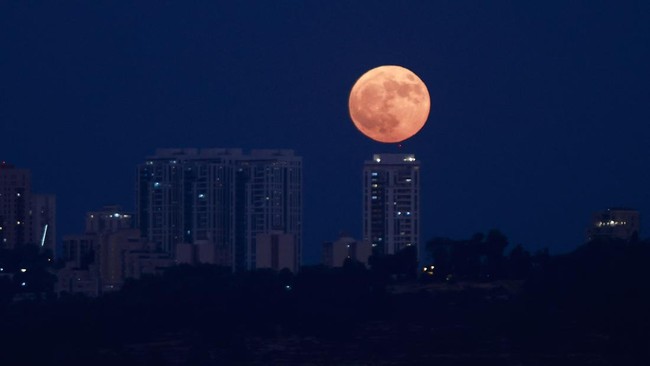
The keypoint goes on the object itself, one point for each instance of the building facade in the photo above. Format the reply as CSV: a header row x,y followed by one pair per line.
x,y
391,202
15,194
335,253
25,218
276,251
220,199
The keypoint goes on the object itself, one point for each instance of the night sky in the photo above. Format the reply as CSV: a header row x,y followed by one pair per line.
x,y
539,112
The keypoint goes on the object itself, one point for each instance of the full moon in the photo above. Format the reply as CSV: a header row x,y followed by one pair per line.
x,y
389,104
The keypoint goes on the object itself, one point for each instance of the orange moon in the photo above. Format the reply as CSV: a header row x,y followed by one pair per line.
x,y
389,104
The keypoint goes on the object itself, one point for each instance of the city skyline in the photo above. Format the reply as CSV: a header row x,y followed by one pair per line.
x,y
538,113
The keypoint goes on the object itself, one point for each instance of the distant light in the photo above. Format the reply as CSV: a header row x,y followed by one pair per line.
x,y
287,287
24,284
18,194
23,270
201,195
44,234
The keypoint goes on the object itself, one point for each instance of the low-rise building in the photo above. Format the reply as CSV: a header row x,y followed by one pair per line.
x,y
345,247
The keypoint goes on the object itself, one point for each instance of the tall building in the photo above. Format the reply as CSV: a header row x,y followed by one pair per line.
x,y
15,194
391,202
184,195
221,199
271,182
25,218
614,223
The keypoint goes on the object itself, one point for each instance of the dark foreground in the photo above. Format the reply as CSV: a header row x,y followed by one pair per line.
x,y
586,308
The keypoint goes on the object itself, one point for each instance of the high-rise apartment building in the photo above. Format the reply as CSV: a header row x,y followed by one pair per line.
x,y
271,182
391,202
219,197
25,218
15,194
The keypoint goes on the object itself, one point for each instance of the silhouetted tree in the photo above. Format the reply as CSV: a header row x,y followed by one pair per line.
x,y
519,263
494,245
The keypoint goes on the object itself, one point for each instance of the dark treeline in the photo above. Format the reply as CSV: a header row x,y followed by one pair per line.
x,y
482,257
482,303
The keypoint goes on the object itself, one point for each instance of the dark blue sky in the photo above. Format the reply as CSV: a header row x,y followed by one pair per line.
x,y
539,112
